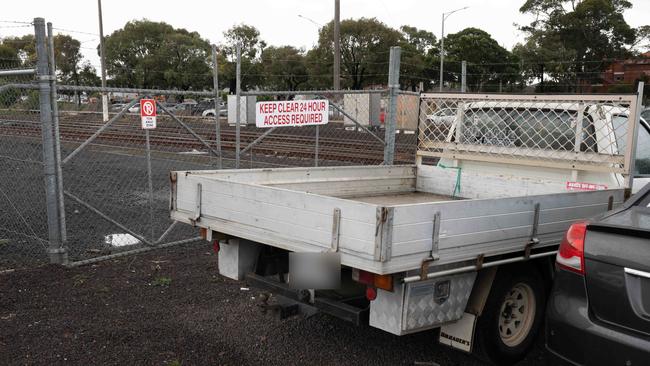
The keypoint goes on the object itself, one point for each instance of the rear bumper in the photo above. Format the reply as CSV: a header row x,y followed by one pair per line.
x,y
573,336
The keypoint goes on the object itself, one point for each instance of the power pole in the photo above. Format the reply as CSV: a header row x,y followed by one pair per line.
x,y
442,52
337,44
103,61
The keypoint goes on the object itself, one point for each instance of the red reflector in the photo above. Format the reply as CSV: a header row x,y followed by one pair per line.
x,y
215,246
571,254
371,293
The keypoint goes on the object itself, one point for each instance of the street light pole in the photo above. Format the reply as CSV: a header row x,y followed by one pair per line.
x,y
103,62
442,43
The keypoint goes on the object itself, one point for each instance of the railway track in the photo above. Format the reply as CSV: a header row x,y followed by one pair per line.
x,y
336,144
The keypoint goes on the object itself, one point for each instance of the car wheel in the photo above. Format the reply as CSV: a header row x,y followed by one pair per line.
x,y
513,315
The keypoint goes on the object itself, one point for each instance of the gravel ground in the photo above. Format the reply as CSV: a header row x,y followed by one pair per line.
x,y
171,307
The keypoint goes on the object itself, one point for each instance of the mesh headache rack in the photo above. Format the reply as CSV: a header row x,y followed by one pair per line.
x,y
580,132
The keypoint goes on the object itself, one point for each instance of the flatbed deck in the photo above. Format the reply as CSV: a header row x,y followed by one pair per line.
x,y
382,218
402,198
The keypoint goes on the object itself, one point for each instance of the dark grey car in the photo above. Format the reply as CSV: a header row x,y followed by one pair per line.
x,y
599,309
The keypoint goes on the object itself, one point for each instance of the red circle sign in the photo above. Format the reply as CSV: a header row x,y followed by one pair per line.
x,y
147,108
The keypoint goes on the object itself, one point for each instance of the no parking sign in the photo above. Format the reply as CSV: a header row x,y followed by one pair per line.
x,y
148,113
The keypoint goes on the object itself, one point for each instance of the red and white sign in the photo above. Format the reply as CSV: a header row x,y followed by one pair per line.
x,y
582,186
292,113
148,113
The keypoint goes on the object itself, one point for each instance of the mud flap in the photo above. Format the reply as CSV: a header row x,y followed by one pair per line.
x,y
460,334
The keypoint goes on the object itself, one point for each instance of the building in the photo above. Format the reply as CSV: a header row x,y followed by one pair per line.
x,y
626,72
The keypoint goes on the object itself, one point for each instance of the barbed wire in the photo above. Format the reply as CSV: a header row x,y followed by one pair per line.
x,y
15,26
16,22
75,31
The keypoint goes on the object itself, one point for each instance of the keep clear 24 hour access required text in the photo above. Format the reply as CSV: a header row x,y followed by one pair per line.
x,y
291,113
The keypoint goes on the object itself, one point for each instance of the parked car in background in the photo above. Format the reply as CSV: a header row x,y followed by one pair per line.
x,y
599,309
186,106
201,106
443,116
223,111
116,107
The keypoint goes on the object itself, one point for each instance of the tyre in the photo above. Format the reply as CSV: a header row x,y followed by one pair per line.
x,y
513,315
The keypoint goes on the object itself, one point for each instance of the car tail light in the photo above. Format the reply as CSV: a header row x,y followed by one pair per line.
x,y
384,282
571,255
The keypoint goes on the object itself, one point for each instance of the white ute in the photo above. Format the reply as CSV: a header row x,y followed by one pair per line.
x,y
464,240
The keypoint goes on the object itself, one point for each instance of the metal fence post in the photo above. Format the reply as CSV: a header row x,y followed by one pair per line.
x,y
150,185
56,251
393,94
57,137
238,105
463,77
316,145
217,104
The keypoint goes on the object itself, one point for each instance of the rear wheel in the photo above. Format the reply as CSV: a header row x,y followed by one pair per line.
x,y
512,316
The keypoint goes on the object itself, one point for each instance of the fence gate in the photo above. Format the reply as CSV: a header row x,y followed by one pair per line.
x,y
354,135
116,174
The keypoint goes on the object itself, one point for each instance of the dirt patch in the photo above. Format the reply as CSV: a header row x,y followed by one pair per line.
x,y
172,308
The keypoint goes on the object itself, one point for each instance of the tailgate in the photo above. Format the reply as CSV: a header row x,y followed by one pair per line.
x,y
291,220
617,266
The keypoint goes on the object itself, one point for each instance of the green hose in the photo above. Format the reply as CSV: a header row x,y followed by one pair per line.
x,y
458,171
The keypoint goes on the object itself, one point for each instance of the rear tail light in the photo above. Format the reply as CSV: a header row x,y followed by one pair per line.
x,y
384,282
571,255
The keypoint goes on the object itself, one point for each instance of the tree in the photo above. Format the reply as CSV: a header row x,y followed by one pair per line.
x,y
365,45
251,48
24,48
150,54
8,58
488,64
284,68
423,41
575,40
642,42
419,53
68,57
88,75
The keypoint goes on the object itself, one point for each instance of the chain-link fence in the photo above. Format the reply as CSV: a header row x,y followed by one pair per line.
x,y
354,135
116,174
81,186
23,235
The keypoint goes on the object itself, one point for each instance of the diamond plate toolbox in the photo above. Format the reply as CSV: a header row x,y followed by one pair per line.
x,y
416,306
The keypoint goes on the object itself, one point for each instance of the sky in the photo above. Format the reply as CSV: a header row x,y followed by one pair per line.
x,y
279,21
